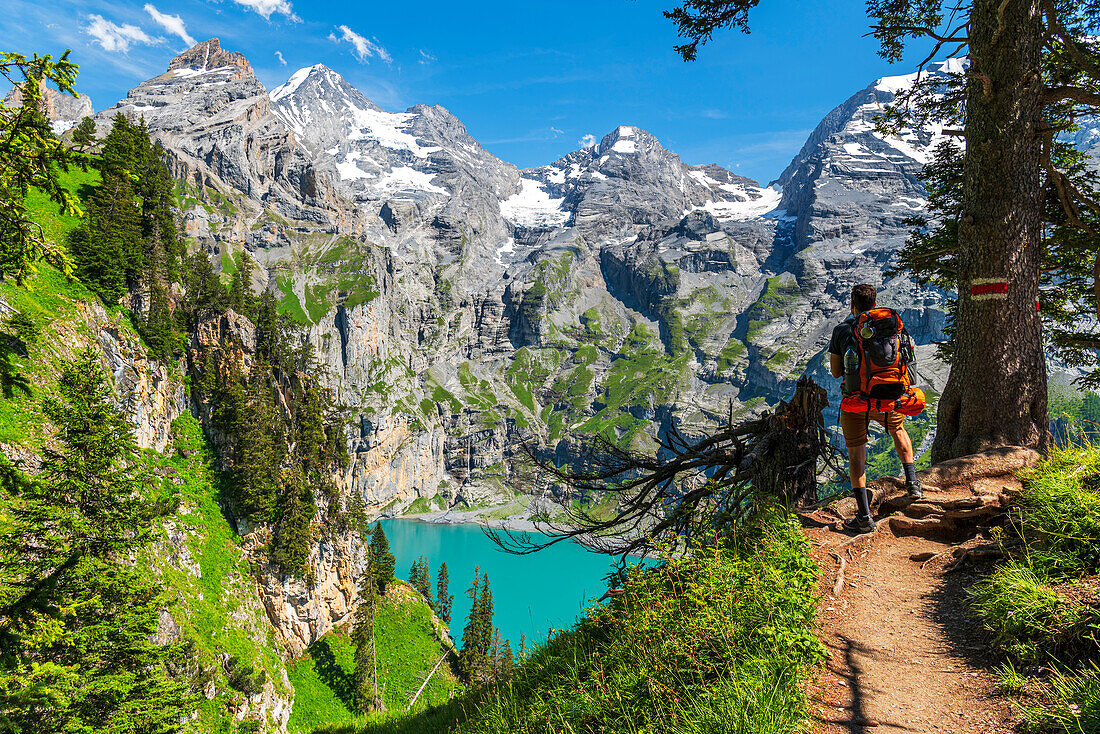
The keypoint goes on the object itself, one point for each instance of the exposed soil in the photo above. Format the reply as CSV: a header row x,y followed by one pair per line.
x,y
906,652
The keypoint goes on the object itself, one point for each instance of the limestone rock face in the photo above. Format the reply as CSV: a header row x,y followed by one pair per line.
x,y
461,307
63,110
304,608
147,393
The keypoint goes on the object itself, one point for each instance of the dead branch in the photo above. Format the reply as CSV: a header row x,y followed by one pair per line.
x,y
690,487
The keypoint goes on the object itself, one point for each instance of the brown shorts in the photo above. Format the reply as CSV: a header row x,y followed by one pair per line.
x,y
854,425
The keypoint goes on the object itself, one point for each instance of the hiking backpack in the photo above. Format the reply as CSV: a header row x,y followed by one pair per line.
x,y
881,343
885,352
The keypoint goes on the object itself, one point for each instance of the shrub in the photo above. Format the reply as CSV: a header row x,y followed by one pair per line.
x,y
1027,619
720,640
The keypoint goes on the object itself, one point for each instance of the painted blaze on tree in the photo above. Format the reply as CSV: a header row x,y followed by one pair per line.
x,y
1034,67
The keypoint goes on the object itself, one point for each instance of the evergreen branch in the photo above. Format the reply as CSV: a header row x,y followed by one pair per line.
x,y
1071,93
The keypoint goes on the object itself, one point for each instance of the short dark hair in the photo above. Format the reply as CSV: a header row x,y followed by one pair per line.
x,y
863,297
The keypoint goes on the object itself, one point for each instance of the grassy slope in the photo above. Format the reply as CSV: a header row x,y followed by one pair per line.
x,y
1042,608
719,641
218,608
408,649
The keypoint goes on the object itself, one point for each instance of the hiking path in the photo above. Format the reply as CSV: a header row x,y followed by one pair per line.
x,y
906,652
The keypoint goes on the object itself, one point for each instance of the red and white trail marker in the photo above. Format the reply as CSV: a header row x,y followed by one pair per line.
x,y
988,289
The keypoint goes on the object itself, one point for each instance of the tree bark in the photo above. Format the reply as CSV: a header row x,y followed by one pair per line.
x,y
996,394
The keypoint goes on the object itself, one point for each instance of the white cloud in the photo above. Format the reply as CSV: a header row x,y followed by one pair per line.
x,y
279,56
114,37
171,23
363,48
425,57
267,8
588,141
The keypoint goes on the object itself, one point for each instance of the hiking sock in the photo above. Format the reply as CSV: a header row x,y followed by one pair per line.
x,y
910,473
863,504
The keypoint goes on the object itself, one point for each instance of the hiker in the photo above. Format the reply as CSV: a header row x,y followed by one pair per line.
x,y
876,387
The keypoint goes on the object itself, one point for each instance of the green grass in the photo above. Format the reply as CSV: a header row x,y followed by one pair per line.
x,y
718,641
45,212
408,648
290,303
51,301
216,618
1041,608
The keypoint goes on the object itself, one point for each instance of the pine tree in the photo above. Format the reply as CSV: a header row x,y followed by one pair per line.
x,y
443,600
365,680
470,656
474,660
31,155
75,622
84,133
159,328
420,578
294,530
382,560
507,662
257,452
108,239
241,298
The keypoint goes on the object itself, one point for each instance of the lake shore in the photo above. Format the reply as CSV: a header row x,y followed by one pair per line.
x,y
516,523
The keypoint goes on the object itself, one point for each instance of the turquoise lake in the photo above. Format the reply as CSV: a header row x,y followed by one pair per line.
x,y
531,594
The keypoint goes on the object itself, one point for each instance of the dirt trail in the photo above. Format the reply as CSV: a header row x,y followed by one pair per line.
x,y
906,653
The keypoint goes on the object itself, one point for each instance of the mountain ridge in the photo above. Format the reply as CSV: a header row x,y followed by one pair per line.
x,y
460,307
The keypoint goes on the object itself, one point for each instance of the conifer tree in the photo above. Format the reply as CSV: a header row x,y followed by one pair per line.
x,y
159,328
366,694
259,447
420,578
470,655
382,560
443,600
76,622
507,661
294,530
477,638
84,133
31,155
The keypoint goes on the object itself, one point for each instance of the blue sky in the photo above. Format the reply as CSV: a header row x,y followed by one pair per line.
x,y
529,80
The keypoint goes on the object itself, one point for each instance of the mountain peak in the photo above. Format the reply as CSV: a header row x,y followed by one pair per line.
x,y
209,55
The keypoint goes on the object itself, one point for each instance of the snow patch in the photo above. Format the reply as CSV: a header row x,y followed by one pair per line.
x,y
188,72
388,130
623,146
739,211
406,180
532,207
555,175
507,248
348,170
291,85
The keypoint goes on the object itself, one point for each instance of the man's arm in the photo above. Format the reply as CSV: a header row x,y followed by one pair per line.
x,y
836,365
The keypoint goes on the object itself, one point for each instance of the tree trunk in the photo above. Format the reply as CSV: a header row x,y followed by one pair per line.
x,y
784,462
996,394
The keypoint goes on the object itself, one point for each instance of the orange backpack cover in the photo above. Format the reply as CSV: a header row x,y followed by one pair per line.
x,y
884,381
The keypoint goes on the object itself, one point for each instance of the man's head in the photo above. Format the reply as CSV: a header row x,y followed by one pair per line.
x,y
863,298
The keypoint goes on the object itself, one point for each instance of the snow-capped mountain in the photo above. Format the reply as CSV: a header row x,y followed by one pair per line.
x,y
461,306
424,265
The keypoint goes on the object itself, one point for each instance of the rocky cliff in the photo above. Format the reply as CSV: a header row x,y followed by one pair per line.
x,y
460,305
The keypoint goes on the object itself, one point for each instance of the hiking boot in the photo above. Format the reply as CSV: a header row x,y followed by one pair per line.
x,y
914,490
860,524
